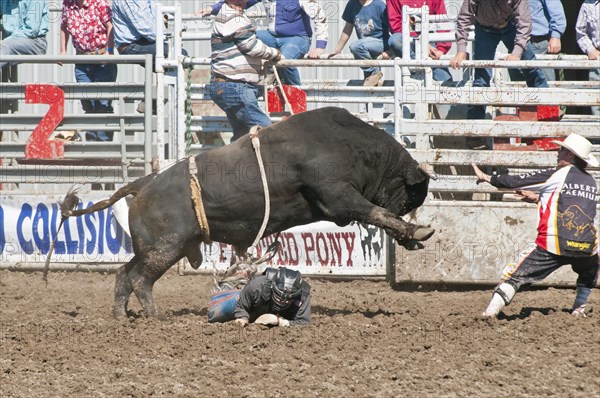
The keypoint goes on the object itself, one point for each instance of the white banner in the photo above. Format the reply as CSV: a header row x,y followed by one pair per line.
x,y
28,224
321,248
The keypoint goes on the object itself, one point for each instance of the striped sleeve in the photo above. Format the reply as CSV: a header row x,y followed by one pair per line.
x,y
237,54
246,41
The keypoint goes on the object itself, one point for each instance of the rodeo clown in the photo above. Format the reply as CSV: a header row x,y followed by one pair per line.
x,y
278,297
567,197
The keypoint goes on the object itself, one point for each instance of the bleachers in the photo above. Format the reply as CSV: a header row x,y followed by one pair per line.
x,y
412,107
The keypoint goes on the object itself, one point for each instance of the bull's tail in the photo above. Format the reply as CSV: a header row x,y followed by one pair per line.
x,y
68,205
71,200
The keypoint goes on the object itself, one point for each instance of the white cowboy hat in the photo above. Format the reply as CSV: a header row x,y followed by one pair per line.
x,y
580,146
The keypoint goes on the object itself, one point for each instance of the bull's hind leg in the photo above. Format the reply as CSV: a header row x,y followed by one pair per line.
x,y
145,273
123,289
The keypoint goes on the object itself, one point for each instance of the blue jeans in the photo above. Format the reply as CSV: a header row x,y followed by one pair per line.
x,y
293,47
144,46
367,48
22,46
484,48
96,73
538,48
239,101
395,43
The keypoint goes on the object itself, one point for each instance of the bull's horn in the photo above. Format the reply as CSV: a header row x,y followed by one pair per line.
x,y
428,169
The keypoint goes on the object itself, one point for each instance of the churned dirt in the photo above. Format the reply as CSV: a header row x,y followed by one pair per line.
x,y
367,340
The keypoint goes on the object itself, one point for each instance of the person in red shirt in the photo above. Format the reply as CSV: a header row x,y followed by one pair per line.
x,y
88,22
394,10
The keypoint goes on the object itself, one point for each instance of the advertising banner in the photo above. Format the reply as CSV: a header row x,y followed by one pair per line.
x,y
28,223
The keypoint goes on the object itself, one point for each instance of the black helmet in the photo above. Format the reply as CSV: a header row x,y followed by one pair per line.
x,y
286,286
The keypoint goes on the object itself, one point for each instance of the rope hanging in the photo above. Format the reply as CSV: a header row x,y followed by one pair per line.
x,y
188,113
197,200
263,175
282,91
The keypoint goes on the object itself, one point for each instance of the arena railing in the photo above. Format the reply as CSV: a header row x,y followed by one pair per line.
x,y
413,98
119,161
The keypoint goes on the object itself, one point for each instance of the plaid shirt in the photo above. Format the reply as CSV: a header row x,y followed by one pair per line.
x,y
588,26
87,24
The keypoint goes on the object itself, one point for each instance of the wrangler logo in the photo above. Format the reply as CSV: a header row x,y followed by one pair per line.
x,y
578,245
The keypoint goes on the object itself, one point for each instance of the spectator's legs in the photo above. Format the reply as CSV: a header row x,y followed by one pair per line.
x,y
239,101
534,77
542,48
441,74
82,75
105,73
595,77
484,48
293,47
538,48
367,48
96,73
395,44
22,46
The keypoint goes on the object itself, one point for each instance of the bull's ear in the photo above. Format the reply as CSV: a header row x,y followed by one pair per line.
x,y
414,174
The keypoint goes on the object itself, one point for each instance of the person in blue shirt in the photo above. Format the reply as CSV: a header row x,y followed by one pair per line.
x,y
135,26
370,22
24,27
548,24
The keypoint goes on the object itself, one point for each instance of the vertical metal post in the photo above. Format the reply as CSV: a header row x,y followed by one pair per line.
x,y
148,115
180,86
398,104
405,38
425,44
406,78
123,144
390,265
160,84
422,107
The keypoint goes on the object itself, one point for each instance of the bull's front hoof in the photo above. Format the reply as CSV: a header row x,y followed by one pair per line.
x,y
423,233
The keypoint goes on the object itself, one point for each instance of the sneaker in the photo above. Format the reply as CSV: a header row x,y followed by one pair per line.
x,y
579,312
373,80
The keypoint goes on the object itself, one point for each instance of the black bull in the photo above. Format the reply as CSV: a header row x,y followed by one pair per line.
x,y
321,165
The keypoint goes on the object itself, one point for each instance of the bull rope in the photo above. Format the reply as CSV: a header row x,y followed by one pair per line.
x,y
256,145
197,200
282,91
245,267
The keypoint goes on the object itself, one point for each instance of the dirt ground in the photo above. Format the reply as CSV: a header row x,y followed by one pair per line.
x,y
367,339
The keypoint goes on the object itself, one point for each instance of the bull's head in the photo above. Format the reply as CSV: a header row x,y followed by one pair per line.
x,y
406,187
